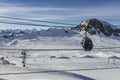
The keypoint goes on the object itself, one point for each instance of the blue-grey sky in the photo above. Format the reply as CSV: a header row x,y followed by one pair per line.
x,y
69,11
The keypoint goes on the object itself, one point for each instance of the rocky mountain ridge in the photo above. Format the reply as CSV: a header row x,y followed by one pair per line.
x,y
93,26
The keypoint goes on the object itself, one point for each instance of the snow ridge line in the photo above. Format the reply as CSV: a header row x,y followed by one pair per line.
x,y
53,71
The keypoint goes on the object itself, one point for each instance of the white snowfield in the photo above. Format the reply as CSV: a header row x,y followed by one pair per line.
x,y
58,65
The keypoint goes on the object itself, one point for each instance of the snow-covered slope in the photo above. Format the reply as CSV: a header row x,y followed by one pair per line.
x,y
57,65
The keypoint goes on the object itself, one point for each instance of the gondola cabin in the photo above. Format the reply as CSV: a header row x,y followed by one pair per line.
x,y
87,44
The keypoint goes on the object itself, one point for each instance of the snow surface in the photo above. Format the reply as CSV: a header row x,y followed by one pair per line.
x,y
58,65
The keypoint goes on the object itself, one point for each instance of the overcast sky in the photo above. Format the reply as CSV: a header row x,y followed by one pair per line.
x,y
69,11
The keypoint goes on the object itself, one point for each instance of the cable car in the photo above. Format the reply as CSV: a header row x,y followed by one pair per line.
x,y
87,44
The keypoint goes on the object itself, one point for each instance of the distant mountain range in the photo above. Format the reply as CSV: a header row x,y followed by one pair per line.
x,y
92,26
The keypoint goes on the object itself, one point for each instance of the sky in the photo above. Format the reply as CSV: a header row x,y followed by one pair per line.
x,y
68,11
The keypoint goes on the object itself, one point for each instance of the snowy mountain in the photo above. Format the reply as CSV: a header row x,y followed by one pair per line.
x,y
59,65
94,26
49,32
52,36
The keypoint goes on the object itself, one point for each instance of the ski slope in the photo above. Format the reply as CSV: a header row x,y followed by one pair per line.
x,y
58,65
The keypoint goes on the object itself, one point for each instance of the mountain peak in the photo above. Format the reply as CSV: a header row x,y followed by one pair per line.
x,y
95,25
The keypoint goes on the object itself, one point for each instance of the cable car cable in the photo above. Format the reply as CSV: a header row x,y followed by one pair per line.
x,y
30,24
36,20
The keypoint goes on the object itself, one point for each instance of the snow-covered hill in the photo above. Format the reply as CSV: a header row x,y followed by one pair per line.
x,y
49,65
56,38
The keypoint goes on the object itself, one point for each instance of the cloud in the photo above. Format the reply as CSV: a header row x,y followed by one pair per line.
x,y
58,13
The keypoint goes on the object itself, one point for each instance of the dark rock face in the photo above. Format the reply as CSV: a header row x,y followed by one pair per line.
x,y
94,26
